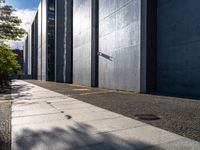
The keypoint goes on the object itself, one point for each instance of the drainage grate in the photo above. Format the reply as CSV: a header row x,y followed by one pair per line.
x,y
147,117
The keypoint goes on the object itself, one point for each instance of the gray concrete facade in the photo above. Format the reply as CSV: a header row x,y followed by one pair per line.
x,y
39,42
26,56
44,42
119,43
178,43
29,61
82,42
134,45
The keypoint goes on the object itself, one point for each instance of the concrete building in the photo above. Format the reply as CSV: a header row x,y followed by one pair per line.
x,y
134,45
50,42
26,56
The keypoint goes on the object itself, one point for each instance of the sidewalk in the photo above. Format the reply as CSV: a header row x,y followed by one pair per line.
x,y
46,120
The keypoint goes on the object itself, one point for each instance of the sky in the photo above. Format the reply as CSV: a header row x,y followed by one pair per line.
x,y
23,4
25,10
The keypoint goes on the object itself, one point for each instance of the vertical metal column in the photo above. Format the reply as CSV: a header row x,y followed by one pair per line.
x,y
95,44
148,46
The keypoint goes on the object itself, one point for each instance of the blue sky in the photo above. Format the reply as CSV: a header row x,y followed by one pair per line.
x,y
25,10
23,4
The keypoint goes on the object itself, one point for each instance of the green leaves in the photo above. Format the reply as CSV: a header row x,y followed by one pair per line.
x,y
9,24
9,32
8,63
2,1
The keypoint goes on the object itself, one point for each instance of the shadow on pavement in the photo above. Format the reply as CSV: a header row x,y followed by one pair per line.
x,y
78,137
21,88
18,89
177,115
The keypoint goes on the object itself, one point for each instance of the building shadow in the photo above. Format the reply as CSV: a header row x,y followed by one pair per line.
x,y
77,137
174,95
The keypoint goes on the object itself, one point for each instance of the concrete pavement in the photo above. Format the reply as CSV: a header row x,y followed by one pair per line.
x,y
46,120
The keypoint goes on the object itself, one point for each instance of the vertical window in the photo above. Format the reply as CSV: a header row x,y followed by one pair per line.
x,y
51,40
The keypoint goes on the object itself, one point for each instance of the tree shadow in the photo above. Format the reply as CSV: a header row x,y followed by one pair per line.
x,y
5,93
76,137
21,88
20,91
5,90
16,91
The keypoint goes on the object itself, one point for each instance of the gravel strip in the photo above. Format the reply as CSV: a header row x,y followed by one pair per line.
x,y
178,115
5,121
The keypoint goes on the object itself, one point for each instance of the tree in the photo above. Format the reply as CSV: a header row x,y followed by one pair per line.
x,y
9,24
9,30
8,63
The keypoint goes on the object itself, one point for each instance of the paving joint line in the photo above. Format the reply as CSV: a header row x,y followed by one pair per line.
x,y
96,119
33,123
35,115
112,131
30,98
74,108
89,145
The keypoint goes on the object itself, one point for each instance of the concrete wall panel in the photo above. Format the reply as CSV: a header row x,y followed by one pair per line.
x,y
44,39
26,56
82,42
29,52
178,47
40,42
119,41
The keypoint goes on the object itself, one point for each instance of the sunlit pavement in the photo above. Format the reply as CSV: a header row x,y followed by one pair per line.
x,y
46,120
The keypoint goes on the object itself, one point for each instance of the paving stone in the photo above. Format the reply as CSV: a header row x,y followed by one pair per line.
x,y
21,103
37,119
140,137
54,141
39,124
82,110
58,99
114,124
52,135
48,126
73,106
31,107
101,115
34,112
66,102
